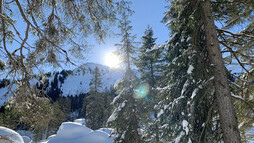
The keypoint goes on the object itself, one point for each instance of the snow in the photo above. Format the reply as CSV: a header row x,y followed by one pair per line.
x,y
9,136
237,96
190,69
186,84
178,138
75,83
185,126
194,93
69,132
113,115
26,135
160,113
80,121
172,38
73,132
26,139
80,80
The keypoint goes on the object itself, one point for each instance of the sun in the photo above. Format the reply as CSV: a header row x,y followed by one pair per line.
x,y
112,60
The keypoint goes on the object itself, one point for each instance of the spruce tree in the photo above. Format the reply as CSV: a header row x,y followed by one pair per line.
x,y
187,107
236,41
146,60
94,111
228,121
147,64
95,104
126,117
95,83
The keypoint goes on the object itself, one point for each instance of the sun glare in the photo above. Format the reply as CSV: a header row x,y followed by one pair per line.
x,y
112,60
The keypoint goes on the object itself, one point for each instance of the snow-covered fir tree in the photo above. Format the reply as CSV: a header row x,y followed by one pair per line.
x,y
187,108
146,59
148,65
128,109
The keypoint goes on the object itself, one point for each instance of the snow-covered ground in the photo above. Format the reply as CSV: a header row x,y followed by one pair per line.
x,y
77,132
69,132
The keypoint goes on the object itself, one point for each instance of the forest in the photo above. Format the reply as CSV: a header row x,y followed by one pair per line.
x,y
196,87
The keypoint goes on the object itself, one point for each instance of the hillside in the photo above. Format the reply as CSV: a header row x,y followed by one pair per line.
x,y
72,82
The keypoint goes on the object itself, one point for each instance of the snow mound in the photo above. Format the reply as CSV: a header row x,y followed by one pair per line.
x,y
75,132
9,136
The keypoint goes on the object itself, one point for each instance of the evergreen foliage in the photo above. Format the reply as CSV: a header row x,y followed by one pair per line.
x,y
127,43
187,106
236,39
96,83
148,64
146,59
94,110
128,110
94,103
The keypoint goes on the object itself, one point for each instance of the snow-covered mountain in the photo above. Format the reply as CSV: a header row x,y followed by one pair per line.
x,y
78,81
73,82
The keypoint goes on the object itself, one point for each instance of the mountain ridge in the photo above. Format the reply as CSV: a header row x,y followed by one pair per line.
x,y
73,82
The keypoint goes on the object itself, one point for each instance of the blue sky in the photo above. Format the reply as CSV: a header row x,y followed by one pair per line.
x,y
147,12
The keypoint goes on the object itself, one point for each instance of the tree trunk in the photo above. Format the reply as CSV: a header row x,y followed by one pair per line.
x,y
228,119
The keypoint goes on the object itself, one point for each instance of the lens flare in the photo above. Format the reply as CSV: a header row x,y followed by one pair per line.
x,y
142,91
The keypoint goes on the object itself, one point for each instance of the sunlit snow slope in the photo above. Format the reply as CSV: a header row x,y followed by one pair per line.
x,y
76,81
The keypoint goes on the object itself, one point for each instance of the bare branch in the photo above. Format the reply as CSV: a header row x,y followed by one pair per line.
x,y
236,34
234,54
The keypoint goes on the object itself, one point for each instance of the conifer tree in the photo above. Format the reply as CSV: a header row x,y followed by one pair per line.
x,y
108,96
236,41
95,83
195,18
94,110
95,103
146,60
125,119
228,121
147,63
187,107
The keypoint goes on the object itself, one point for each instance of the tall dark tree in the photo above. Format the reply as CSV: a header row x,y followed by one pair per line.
x,y
187,106
193,23
228,121
236,41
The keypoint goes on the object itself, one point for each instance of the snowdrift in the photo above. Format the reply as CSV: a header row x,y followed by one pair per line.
x,y
9,136
75,132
